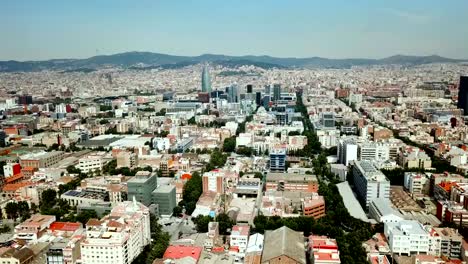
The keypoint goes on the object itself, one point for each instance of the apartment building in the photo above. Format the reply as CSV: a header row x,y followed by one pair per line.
x,y
239,239
90,163
347,150
407,237
323,250
314,206
119,237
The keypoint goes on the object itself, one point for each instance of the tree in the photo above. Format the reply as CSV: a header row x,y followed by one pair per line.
x,y
229,144
11,210
201,223
177,211
49,198
84,216
225,223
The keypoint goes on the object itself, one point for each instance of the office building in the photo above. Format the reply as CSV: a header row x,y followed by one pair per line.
x,y
327,120
165,197
258,98
90,163
233,93
249,88
278,160
25,100
276,92
141,186
370,183
463,94
347,150
206,81
293,182
373,151
119,237
407,237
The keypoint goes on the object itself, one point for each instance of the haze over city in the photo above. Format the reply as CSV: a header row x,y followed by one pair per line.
x,y
40,30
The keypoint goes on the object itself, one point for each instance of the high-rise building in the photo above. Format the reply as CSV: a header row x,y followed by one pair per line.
x,y
347,150
249,88
258,98
276,92
206,81
141,187
119,237
278,160
370,182
25,100
233,93
463,94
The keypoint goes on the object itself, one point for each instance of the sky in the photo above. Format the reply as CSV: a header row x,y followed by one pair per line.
x,y
46,29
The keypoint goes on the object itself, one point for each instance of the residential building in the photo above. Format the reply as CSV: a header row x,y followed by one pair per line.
x,y
253,253
119,237
17,256
314,206
33,228
239,240
450,242
185,254
126,159
416,183
370,182
323,250
213,181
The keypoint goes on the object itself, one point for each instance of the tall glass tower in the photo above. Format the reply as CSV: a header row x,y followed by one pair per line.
x,y
205,80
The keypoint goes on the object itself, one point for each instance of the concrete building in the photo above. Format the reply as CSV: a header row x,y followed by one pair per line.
x,y
416,183
141,186
126,159
373,151
450,242
380,209
119,237
213,181
291,182
415,158
90,163
369,182
165,197
314,206
41,159
239,240
347,150
407,237
33,228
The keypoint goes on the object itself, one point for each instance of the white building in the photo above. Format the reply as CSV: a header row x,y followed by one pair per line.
x,y
370,182
381,210
414,182
119,237
328,137
161,144
239,239
373,151
90,163
407,237
347,150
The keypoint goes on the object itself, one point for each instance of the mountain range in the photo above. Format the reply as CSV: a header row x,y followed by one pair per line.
x,y
149,60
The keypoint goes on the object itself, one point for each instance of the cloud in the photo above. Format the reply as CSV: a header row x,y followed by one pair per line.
x,y
411,17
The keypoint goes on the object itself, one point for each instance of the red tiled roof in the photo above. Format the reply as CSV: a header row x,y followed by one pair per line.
x,y
178,252
64,226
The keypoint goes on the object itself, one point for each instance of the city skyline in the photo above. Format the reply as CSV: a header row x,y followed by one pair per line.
x,y
336,29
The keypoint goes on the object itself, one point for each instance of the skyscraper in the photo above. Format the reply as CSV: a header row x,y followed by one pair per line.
x,y
206,81
233,94
276,92
463,94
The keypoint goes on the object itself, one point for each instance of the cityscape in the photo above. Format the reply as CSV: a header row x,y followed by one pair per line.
x,y
160,157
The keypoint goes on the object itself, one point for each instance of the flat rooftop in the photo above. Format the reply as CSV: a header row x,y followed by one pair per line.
x,y
350,201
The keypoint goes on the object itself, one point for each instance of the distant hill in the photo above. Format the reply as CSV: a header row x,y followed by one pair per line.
x,y
149,60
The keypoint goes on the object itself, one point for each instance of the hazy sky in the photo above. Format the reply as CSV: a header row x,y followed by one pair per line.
x,y
42,29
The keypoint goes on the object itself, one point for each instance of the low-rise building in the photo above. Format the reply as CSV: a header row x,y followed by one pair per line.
x,y
323,250
314,206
